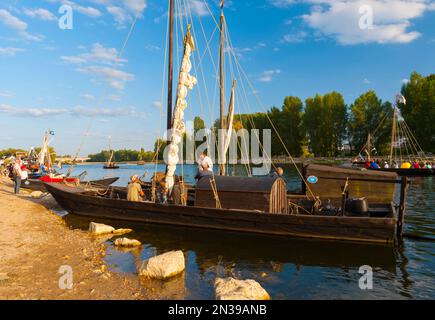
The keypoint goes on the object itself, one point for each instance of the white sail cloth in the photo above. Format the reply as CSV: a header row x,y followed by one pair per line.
x,y
186,82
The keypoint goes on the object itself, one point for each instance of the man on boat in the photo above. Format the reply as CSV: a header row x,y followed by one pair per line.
x,y
134,190
278,173
374,165
205,166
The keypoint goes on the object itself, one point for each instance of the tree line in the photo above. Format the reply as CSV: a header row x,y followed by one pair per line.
x,y
122,156
325,126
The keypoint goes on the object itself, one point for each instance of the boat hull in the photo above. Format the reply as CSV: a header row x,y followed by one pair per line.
x,y
409,172
38,185
364,229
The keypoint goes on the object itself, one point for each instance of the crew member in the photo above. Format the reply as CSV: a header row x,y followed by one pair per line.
x,y
134,190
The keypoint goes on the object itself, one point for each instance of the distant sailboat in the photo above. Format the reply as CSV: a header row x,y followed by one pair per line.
x,y
110,164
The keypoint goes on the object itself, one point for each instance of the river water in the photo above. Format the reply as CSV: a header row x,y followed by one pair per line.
x,y
286,268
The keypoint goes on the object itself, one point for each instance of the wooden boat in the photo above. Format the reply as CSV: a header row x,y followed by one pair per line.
x,y
408,172
261,206
401,138
38,184
111,165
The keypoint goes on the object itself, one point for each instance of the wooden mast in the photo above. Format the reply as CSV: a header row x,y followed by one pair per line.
x,y
170,66
222,95
393,133
369,146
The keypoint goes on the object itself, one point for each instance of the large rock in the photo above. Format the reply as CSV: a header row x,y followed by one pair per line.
x,y
100,229
163,266
37,194
122,231
233,289
127,243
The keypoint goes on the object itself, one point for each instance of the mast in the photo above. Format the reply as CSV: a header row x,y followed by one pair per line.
x,y
170,65
393,133
222,155
369,146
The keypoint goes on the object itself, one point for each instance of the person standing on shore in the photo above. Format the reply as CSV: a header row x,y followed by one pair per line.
x,y
16,173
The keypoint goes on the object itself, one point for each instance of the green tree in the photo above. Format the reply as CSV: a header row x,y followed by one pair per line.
x,y
159,148
287,122
419,110
369,114
324,123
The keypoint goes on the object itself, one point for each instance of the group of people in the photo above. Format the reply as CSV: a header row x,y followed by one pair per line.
x,y
178,192
378,164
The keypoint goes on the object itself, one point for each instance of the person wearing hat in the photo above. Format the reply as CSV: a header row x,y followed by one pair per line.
x,y
134,190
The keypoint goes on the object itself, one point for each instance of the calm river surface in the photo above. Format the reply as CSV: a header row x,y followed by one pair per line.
x,y
286,268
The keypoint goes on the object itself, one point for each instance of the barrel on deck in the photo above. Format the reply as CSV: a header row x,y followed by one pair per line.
x,y
265,194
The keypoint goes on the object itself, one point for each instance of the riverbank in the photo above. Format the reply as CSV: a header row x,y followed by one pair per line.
x,y
36,243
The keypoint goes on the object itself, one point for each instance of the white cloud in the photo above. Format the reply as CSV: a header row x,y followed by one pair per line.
x,y
157,104
341,20
40,13
87,96
18,25
120,15
6,94
282,3
30,112
198,8
106,112
98,54
103,63
136,6
76,111
85,10
114,77
366,81
300,36
152,48
268,75
9,51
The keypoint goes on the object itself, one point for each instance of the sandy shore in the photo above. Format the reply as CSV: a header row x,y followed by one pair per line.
x,y
35,243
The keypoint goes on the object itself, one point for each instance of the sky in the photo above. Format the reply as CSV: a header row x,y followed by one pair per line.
x,y
100,72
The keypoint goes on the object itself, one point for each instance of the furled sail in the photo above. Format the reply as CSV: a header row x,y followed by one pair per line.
x,y
185,82
229,122
43,157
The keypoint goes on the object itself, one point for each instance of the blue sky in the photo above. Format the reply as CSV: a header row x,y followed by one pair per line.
x,y
77,81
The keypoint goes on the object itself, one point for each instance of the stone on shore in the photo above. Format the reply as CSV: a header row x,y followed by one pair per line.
x,y
100,229
163,266
36,194
121,231
233,289
127,243
4,276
